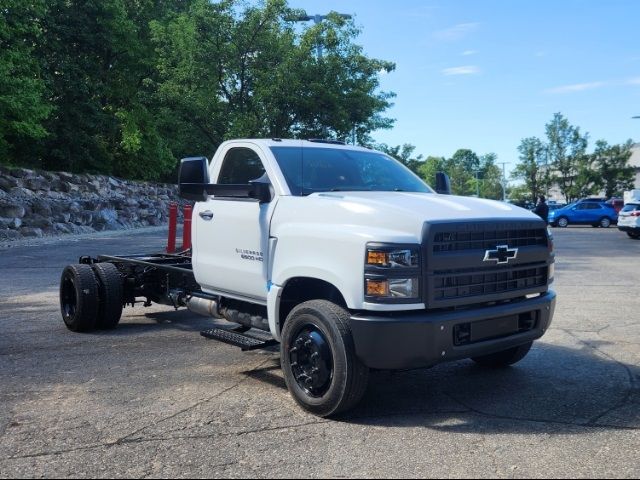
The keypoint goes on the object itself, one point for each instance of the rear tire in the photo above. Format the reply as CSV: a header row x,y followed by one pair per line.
x,y
633,235
79,298
563,222
605,222
110,295
505,357
320,366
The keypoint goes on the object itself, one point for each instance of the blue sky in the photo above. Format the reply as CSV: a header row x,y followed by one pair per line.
x,y
483,74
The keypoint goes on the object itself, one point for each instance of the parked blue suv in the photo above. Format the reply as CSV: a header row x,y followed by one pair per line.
x,y
584,212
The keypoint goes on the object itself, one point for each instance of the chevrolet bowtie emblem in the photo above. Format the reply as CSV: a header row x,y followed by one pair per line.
x,y
501,255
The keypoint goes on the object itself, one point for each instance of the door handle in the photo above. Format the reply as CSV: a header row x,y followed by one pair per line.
x,y
206,215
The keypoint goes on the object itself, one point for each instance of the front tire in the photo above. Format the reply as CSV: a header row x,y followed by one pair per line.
x,y
79,298
563,222
505,357
320,366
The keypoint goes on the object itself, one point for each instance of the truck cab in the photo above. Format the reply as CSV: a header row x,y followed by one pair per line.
x,y
351,262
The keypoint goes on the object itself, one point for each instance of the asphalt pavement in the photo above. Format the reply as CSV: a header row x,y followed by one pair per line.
x,y
154,398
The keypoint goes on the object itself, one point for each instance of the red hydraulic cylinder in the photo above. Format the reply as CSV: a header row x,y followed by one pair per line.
x,y
173,222
186,230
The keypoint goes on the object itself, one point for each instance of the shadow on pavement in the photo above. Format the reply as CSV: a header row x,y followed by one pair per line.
x,y
567,388
556,385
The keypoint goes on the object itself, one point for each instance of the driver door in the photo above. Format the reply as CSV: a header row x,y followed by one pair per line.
x,y
232,234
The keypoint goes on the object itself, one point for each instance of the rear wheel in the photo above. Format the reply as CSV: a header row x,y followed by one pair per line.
x,y
320,366
563,222
109,294
79,298
505,357
605,222
633,235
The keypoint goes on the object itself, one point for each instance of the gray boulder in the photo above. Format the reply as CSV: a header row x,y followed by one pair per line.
x,y
11,210
12,223
30,232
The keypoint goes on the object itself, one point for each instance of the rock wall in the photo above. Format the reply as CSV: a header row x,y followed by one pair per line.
x,y
37,203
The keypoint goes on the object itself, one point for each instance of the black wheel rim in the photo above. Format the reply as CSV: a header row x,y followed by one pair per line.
x,y
311,361
68,299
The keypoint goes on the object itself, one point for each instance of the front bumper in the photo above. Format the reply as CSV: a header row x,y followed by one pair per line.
x,y
423,339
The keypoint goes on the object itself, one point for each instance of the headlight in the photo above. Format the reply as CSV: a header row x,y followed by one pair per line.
x,y
392,273
399,258
393,288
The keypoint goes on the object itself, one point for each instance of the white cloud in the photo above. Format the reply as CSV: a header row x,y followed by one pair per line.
x,y
467,53
464,70
577,87
634,81
457,32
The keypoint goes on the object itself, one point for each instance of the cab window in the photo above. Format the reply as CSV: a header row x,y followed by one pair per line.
x,y
240,166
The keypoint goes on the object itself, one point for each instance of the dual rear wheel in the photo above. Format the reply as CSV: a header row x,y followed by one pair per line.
x,y
91,297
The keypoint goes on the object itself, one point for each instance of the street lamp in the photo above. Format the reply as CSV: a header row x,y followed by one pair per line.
x,y
317,19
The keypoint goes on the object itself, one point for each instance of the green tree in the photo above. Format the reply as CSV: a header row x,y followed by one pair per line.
x,y
612,169
23,104
566,147
232,75
491,181
99,61
404,154
533,169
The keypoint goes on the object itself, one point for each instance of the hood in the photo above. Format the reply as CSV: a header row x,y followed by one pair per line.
x,y
398,212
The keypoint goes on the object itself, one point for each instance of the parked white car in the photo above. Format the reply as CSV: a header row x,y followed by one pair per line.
x,y
629,219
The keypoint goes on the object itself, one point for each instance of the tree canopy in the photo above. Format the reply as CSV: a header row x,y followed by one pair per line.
x,y
563,161
127,87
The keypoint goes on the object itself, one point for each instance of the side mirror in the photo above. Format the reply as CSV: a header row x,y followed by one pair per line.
x,y
261,191
443,183
193,178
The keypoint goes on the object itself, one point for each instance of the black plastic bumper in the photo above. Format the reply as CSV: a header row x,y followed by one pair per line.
x,y
423,339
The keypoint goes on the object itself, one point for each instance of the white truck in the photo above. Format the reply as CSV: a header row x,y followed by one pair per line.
x,y
344,258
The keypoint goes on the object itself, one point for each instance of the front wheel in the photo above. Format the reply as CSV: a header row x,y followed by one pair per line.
x,y
505,357
563,222
317,353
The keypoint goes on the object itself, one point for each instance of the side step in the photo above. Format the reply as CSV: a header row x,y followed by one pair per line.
x,y
245,342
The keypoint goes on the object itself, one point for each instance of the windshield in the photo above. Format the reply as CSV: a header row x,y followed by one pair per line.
x,y
311,170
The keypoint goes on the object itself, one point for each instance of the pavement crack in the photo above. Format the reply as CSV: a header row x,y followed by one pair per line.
x,y
191,407
227,434
544,421
625,400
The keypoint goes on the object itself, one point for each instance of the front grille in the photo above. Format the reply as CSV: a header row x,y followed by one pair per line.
x,y
458,271
464,283
453,241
